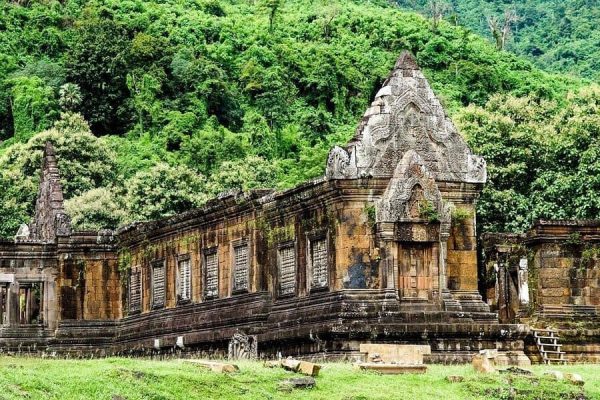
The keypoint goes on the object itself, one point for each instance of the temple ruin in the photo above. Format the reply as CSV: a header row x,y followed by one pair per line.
x,y
382,249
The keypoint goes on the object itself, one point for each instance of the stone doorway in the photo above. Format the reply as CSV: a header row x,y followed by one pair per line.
x,y
415,270
30,297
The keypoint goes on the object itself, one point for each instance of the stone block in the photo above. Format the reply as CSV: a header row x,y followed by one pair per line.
x,y
308,368
575,379
565,262
290,364
555,375
489,353
392,369
481,363
512,358
516,371
215,366
554,292
552,273
272,364
396,353
555,283
297,383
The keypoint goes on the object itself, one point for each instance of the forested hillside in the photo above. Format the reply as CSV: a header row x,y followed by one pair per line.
x,y
558,35
154,107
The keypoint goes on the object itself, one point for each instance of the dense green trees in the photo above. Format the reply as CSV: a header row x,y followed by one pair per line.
x,y
542,158
188,98
558,35
86,162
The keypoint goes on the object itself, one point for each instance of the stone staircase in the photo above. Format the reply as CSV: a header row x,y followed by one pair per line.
x,y
546,341
569,312
470,303
450,303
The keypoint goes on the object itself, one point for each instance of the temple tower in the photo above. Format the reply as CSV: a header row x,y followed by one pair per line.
x,y
405,136
50,219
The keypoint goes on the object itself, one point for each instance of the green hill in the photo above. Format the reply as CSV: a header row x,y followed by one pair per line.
x,y
557,35
156,106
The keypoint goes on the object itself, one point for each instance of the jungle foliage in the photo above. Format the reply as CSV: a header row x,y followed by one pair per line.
x,y
557,35
154,107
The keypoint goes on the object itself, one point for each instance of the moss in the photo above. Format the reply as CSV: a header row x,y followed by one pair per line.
x,y
460,215
279,234
428,211
370,211
589,254
574,239
124,264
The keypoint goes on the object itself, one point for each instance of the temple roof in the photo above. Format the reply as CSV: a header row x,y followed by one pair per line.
x,y
406,115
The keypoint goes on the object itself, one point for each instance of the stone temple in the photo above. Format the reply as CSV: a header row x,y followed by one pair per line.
x,y
382,249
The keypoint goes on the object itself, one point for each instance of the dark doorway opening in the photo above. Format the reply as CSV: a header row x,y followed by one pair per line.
x,y
30,303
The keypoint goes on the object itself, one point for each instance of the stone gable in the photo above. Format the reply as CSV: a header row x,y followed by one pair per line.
x,y
406,115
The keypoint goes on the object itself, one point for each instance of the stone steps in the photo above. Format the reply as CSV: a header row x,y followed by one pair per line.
x,y
569,311
548,338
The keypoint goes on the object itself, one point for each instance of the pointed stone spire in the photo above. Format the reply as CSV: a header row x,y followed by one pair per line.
x,y
406,61
50,219
406,115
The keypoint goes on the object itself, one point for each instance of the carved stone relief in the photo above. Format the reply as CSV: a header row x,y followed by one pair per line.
x,y
339,165
409,189
243,347
406,115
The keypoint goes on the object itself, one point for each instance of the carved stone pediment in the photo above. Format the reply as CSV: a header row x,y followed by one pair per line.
x,y
411,190
406,115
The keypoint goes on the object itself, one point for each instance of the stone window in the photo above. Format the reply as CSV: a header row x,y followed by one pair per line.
x,y
241,266
317,262
211,273
135,290
286,265
4,287
30,302
158,284
184,279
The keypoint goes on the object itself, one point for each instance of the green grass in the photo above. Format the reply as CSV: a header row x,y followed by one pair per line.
x,y
121,378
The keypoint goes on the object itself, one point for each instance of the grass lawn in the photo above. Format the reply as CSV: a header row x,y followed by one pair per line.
x,y
123,378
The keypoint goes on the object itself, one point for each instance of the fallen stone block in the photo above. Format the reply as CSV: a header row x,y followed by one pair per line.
x,y
215,366
481,363
556,375
455,378
516,370
308,368
290,364
392,369
272,364
297,383
575,379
